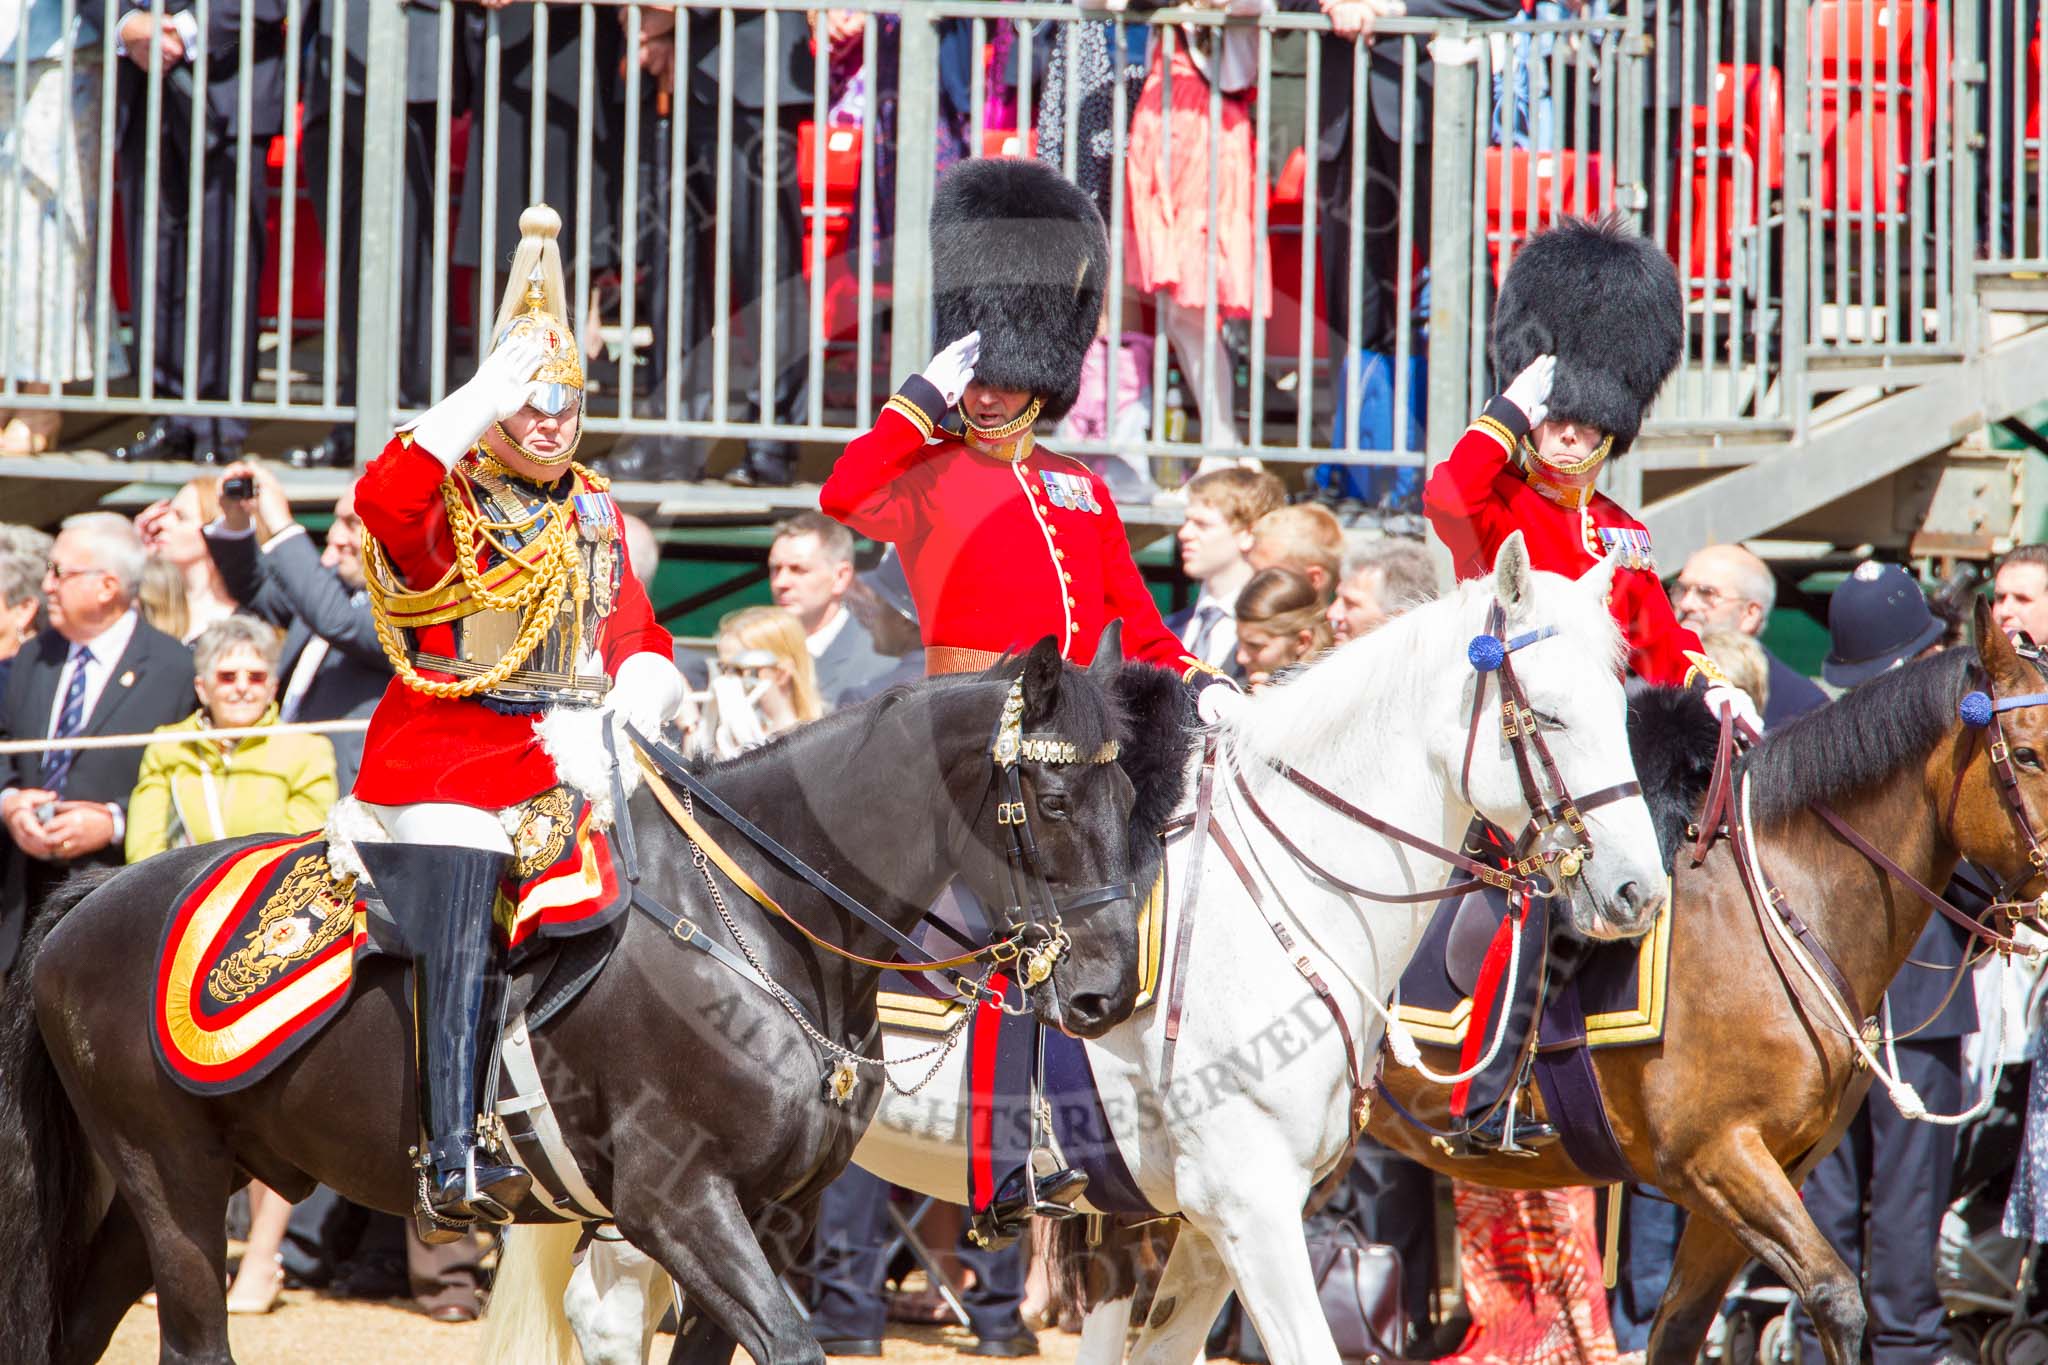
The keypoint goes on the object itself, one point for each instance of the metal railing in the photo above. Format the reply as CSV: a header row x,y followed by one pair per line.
x,y
746,241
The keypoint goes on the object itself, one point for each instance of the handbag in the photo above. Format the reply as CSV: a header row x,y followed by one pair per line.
x,y
1359,1285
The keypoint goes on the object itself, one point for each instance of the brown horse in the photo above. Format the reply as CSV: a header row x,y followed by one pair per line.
x,y
1728,1113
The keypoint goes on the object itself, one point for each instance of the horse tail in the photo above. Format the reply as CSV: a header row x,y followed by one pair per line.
x,y
48,1181
525,1323
1096,1261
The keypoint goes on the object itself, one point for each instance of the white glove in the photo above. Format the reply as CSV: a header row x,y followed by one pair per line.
x,y
501,386
1722,697
646,693
952,369
1220,702
1531,390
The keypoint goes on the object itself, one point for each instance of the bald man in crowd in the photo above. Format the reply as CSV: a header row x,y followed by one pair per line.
x,y
1382,578
1304,537
1725,587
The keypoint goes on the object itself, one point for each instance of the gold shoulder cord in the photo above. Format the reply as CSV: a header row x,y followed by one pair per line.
x,y
553,572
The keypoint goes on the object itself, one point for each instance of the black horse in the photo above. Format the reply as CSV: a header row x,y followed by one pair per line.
x,y
692,1099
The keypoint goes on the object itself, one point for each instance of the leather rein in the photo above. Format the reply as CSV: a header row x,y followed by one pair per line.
x,y
1035,939
1541,863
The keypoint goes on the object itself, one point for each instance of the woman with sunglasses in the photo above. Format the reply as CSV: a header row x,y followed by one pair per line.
x,y
194,790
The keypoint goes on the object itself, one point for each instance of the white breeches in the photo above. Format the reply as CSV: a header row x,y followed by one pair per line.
x,y
444,822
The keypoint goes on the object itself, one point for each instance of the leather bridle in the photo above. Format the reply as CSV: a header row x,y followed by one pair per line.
x,y
1556,844
1981,712
1031,910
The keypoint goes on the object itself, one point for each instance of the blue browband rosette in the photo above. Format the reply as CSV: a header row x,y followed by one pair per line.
x,y
1975,709
1487,652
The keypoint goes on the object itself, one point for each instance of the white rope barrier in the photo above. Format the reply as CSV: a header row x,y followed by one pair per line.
x,y
304,727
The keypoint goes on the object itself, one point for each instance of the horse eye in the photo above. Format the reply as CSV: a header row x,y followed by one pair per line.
x,y
1548,721
2026,758
1054,807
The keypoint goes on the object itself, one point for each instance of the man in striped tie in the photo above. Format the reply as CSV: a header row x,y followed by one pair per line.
x,y
99,670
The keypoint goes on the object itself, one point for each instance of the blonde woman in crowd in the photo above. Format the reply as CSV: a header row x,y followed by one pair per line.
x,y
1743,660
1281,621
746,640
173,531
196,791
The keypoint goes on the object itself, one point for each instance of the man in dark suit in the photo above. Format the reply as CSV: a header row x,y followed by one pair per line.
x,y
766,462
1725,587
332,665
810,569
100,669
173,51
414,344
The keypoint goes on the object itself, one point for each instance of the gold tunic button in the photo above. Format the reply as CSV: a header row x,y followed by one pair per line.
x,y
1070,601
1059,554
1066,577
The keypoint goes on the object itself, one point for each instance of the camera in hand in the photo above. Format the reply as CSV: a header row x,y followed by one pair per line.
x,y
241,487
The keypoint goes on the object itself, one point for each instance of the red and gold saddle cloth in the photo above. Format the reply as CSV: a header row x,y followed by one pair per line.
x,y
260,951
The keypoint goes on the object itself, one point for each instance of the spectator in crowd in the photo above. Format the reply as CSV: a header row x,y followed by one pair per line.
x,y
1180,213
1215,539
162,598
1878,619
810,569
21,606
165,57
758,287
331,666
344,196
1742,661
881,599
1304,537
174,530
1366,402
1281,622
53,146
2019,593
197,792
1382,578
1725,587
99,669
16,539
766,644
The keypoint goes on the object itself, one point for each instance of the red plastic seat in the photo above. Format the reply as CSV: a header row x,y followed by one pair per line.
x,y
1877,64
1740,129
1286,212
1010,143
1562,184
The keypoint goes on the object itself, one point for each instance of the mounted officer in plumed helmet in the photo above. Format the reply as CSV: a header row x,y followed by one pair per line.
x,y
498,579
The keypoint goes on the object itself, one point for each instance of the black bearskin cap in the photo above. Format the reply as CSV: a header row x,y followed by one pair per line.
x,y
1604,300
1019,254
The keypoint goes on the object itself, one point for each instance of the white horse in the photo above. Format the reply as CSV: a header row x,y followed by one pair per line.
x,y
1259,1106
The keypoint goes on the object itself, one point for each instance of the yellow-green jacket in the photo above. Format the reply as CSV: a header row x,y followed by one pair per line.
x,y
192,793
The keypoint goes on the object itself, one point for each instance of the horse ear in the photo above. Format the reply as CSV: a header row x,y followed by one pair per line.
x,y
1109,653
1042,670
2001,661
1511,581
1599,580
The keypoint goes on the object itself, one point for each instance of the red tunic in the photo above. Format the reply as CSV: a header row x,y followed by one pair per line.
x,y
1477,498
999,553
422,748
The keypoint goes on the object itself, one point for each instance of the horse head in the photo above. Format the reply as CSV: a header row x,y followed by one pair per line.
x,y
1995,789
1058,850
1552,758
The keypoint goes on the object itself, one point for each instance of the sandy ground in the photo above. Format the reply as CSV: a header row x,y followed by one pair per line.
x,y
308,1327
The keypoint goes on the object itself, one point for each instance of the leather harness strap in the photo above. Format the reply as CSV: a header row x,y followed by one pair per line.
x,y
1385,898
1360,1092
1714,815
1184,930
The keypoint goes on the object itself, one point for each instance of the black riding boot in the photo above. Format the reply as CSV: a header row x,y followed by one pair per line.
x,y
442,898
1490,1132
1019,1196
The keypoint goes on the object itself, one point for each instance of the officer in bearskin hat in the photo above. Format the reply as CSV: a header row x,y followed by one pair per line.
x,y
1003,541
499,584
1591,323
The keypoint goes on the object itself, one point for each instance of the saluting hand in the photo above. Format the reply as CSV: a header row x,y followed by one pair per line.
x,y
506,376
952,369
1531,390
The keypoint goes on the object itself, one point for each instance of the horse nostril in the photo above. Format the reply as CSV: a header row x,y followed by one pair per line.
x,y
1088,1008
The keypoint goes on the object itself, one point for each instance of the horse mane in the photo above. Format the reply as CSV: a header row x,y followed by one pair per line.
x,y
1859,739
1673,738
1322,708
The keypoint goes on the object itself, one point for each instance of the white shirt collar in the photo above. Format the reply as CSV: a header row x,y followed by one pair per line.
x,y
820,640
110,644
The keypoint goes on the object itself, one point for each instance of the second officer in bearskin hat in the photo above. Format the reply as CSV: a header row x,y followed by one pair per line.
x,y
1591,323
